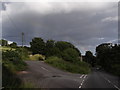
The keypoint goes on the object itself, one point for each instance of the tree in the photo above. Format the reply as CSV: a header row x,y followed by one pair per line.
x,y
70,55
50,44
108,56
103,54
51,50
37,46
62,45
13,45
89,58
3,42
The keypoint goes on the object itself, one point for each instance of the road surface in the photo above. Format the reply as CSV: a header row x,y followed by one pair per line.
x,y
43,75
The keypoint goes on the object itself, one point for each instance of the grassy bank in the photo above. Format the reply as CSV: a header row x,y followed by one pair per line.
x,y
79,67
11,64
11,80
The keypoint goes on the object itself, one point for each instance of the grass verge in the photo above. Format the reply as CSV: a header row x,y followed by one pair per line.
x,y
79,67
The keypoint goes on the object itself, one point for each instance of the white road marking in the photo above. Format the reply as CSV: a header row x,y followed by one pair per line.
x,y
44,68
85,76
111,83
116,87
80,86
81,76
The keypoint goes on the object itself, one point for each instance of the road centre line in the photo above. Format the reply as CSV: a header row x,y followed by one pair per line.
x,y
82,80
79,86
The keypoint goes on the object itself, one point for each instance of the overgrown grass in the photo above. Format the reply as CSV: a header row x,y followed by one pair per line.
x,y
15,66
79,67
12,62
37,57
9,79
27,85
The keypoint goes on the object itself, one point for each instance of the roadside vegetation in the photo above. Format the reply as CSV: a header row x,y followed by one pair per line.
x,y
108,57
60,54
78,67
12,62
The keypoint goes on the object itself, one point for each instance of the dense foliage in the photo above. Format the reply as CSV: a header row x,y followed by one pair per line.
x,y
13,60
62,45
51,49
90,58
61,49
11,63
108,56
37,46
70,55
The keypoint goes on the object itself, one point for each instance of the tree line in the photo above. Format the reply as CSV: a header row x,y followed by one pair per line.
x,y
107,57
61,49
107,54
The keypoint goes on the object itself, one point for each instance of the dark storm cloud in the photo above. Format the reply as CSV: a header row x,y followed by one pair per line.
x,y
87,27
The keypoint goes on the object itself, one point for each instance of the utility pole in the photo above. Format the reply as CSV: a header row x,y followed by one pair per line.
x,y
22,38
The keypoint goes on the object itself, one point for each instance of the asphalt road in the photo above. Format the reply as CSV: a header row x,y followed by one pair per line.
x,y
42,75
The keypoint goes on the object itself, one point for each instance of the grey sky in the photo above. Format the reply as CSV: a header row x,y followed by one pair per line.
x,y
85,24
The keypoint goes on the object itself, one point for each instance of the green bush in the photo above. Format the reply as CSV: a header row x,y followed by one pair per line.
x,y
80,67
11,55
11,63
23,53
71,55
13,60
